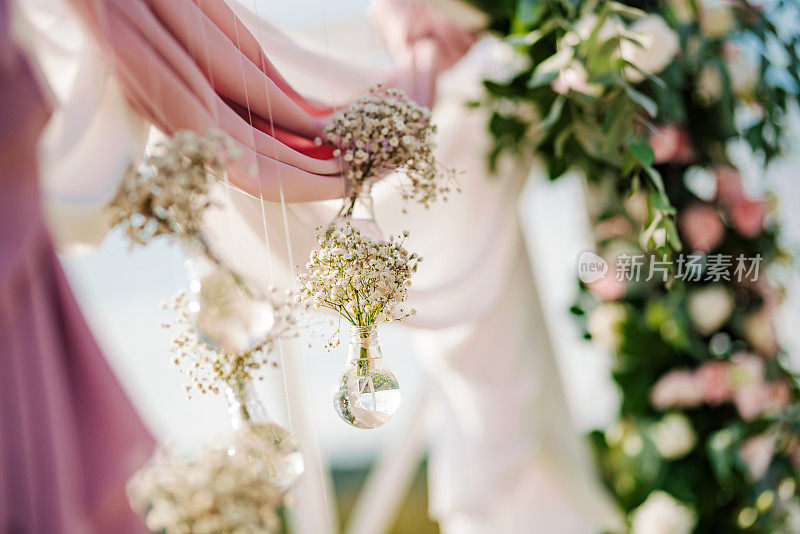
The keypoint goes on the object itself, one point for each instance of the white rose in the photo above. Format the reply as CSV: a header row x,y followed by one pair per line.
x,y
717,19
605,322
683,10
709,84
709,308
673,436
662,514
660,46
574,78
759,331
744,72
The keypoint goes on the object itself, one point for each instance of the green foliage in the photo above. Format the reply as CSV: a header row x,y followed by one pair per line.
x,y
582,104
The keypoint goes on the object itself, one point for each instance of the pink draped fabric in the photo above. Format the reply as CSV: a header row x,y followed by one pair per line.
x,y
69,439
192,64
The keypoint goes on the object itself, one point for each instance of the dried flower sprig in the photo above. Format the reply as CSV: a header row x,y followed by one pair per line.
x,y
208,368
213,492
169,192
364,281
385,131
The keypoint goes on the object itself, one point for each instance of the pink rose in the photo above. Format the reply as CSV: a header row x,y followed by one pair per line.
x,y
746,369
608,288
729,185
679,388
765,398
747,217
757,452
671,144
702,227
715,382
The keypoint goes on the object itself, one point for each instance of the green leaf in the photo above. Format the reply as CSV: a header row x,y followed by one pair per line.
x,y
553,114
643,101
660,202
642,152
548,69
561,141
624,10
672,235
657,181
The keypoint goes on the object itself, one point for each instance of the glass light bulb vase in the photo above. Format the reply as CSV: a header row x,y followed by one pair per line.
x,y
226,312
367,394
357,210
269,447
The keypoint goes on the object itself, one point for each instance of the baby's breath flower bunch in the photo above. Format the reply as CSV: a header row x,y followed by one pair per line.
x,y
213,493
169,192
208,368
364,281
385,131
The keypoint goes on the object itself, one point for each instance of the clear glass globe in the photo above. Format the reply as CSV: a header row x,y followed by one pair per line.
x,y
269,448
225,311
367,394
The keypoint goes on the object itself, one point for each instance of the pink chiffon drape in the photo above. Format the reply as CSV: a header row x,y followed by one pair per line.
x,y
191,64
69,439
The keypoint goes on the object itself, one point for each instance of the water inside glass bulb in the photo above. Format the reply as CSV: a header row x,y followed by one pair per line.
x,y
357,211
367,394
227,314
268,446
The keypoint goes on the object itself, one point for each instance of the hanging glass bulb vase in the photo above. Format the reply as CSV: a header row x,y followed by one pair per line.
x,y
357,210
268,446
227,313
366,394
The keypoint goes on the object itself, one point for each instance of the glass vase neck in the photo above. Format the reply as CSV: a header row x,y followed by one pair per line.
x,y
364,343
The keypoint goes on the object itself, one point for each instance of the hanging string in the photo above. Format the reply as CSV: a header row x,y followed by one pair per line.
x,y
281,355
289,252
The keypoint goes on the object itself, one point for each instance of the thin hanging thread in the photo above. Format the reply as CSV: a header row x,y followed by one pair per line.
x,y
215,112
204,36
281,355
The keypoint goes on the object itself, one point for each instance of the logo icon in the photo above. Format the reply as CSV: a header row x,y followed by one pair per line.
x,y
591,267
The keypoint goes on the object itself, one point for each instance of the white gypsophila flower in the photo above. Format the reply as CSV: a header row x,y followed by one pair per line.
x,y
365,281
673,436
216,492
169,192
208,368
709,308
659,46
386,131
662,514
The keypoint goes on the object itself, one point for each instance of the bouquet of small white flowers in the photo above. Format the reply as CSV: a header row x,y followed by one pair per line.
x,y
382,132
215,492
364,281
209,368
168,193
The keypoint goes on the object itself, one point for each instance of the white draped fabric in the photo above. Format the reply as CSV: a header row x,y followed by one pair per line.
x,y
505,456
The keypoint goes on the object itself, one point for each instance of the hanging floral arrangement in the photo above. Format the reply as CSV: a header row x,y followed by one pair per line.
x,y
383,132
365,282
